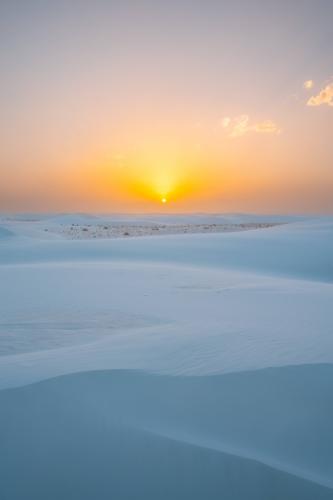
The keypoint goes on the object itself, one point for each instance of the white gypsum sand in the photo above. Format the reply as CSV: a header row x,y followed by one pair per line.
x,y
185,366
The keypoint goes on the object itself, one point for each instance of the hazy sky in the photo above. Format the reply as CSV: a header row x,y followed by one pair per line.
x,y
112,105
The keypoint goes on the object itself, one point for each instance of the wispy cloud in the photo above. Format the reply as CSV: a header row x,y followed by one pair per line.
x,y
225,122
325,96
266,127
242,125
308,84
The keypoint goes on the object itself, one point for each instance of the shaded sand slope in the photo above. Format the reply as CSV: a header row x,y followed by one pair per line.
x,y
254,435
5,233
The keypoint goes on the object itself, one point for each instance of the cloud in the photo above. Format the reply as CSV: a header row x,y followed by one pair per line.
x,y
308,84
225,122
266,127
325,96
241,125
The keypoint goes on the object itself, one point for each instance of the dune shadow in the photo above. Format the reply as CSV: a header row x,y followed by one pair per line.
x,y
258,435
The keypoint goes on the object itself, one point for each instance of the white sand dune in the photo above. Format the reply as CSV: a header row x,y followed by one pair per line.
x,y
140,436
5,233
231,332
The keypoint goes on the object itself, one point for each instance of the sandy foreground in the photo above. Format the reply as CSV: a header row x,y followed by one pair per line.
x,y
183,367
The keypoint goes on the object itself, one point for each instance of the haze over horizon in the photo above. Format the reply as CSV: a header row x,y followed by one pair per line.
x,y
179,106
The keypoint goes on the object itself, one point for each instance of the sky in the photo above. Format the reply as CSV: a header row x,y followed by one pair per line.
x,y
210,106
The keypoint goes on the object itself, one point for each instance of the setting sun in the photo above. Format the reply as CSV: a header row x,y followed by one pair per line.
x,y
163,200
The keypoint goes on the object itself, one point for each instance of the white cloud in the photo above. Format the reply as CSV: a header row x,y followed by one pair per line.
x,y
266,127
309,84
241,125
325,96
225,122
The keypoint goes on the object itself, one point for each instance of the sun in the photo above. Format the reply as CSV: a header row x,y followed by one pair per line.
x,y
163,200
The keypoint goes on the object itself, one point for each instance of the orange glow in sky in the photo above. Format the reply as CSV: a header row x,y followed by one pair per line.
x,y
134,105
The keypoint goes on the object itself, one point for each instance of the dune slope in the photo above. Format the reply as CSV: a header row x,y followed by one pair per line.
x,y
249,435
